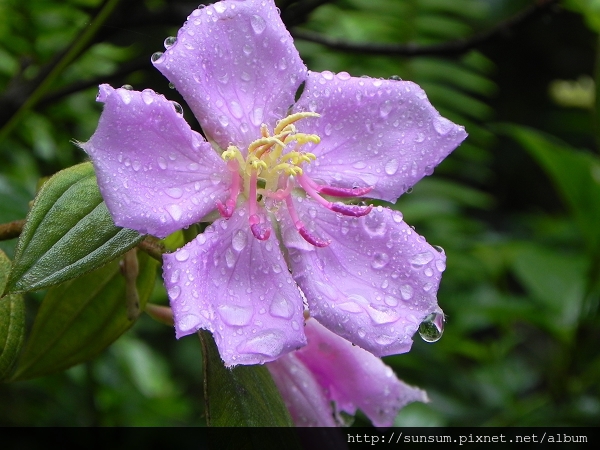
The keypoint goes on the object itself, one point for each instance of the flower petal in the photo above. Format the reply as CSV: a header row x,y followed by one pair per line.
x,y
239,288
305,399
156,175
354,378
381,133
236,66
376,281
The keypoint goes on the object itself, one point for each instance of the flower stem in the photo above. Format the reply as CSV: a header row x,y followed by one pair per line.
x,y
11,230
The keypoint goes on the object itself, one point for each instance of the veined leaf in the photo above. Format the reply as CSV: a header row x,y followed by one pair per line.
x,y
244,396
68,232
12,322
80,318
576,175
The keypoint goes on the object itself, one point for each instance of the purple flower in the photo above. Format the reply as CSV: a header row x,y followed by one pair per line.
x,y
270,169
330,369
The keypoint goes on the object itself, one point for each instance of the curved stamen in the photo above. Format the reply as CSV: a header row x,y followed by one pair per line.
x,y
342,208
226,210
339,191
307,235
260,231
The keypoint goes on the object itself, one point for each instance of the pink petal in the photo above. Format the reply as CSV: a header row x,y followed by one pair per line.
x,y
305,399
236,66
376,281
237,287
380,133
156,175
353,378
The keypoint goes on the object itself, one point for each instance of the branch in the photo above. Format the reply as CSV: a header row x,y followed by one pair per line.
x,y
11,230
450,48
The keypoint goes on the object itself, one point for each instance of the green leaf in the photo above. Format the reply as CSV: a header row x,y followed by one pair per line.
x,y
575,173
80,318
12,322
68,232
244,396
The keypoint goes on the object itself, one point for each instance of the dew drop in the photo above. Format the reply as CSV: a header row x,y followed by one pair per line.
x,y
178,108
440,265
432,328
442,125
281,307
269,343
174,211
236,110
327,75
239,240
223,120
421,259
397,216
385,109
343,76
174,292
258,24
174,192
219,7
156,56
406,291
170,41
162,162
391,166
187,323
235,315
230,258
127,87
147,96
359,165
380,260
257,116
374,226
182,255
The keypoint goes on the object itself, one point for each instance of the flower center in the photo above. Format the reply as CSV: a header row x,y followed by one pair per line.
x,y
267,172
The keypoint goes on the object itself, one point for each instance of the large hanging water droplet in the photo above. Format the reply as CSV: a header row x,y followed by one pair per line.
x,y
432,328
156,56
170,41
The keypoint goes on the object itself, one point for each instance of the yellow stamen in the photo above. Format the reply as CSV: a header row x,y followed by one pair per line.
x,y
291,119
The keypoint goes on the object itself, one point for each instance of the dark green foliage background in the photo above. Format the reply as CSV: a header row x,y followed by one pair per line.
x,y
516,209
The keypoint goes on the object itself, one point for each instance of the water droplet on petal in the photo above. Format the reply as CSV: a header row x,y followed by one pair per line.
x,y
187,323
385,109
239,240
182,255
127,87
343,76
230,258
391,166
235,315
178,108
397,216
156,56
236,110
281,307
380,260
432,327
223,120
148,96
170,41
421,259
175,211
374,225
440,265
406,291
174,292
442,125
174,192
258,24
268,343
